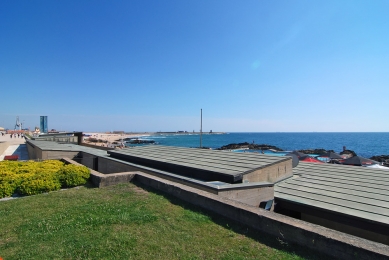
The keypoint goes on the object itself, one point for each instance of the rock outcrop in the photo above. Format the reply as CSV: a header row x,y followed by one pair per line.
x,y
247,145
139,141
315,151
381,158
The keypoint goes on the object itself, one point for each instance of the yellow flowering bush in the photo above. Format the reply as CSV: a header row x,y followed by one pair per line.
x,y
39,183
72,175
28,178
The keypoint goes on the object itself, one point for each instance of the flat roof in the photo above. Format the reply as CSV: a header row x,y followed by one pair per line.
x,y
202,163
348,190
54,146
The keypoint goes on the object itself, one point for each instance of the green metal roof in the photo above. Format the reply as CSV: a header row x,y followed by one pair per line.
x,y
350,190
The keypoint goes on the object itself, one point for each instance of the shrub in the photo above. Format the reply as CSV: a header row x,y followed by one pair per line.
x,y
72,175
50,166
6,189
31,177
9,182
39,183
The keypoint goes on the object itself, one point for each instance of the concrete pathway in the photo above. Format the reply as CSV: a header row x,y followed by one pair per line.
x,y
16,146
18,149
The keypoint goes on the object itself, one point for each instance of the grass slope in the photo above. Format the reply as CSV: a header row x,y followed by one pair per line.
x,y
127,222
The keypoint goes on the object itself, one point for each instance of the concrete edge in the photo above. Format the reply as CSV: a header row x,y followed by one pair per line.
x,y
103,180
97,147
282,159
283,179
238,186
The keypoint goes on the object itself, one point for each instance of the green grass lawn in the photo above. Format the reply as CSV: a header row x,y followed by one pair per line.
x,y
126,222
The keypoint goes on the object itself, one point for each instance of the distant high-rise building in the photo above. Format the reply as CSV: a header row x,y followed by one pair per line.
x,y
43,125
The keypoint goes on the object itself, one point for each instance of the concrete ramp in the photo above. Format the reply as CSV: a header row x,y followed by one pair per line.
x,y
18,149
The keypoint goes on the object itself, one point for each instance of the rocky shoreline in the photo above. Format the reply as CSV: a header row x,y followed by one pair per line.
x,y
247,145
139,141
251,146
381,158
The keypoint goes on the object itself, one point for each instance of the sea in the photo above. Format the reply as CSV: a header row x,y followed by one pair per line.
x,y
363,144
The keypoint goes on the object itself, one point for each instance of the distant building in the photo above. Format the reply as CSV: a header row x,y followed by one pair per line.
x,y
53,131
43,124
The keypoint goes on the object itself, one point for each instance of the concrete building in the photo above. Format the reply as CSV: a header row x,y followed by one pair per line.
x,y
44,124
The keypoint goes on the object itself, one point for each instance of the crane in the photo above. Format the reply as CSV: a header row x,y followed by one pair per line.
x,y
18,124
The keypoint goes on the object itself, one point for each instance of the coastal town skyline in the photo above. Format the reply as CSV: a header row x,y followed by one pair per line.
x,y
251,66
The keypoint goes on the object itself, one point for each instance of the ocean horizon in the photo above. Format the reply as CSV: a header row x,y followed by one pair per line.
x,y
366,144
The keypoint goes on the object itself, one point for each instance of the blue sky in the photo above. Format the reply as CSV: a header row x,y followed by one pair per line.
x,y
252,66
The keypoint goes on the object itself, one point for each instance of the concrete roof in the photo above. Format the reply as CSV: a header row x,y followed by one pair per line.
x,y
349,190
225,164
54,146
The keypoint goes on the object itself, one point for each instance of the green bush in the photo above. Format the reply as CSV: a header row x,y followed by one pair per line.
x,y
31,177
39,183
9,182
6,189
71,175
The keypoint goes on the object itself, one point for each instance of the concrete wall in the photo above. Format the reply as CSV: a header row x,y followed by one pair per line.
x,y
288,230
63,139
252,196
35,152
375,231
272,173
56,155
349,229
109,165
103,180
88,160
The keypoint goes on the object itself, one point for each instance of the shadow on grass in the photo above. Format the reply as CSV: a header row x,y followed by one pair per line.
x,y
240,228
90,185
17,195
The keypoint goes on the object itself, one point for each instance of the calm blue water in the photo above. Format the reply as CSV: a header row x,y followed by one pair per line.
x,y
364,144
